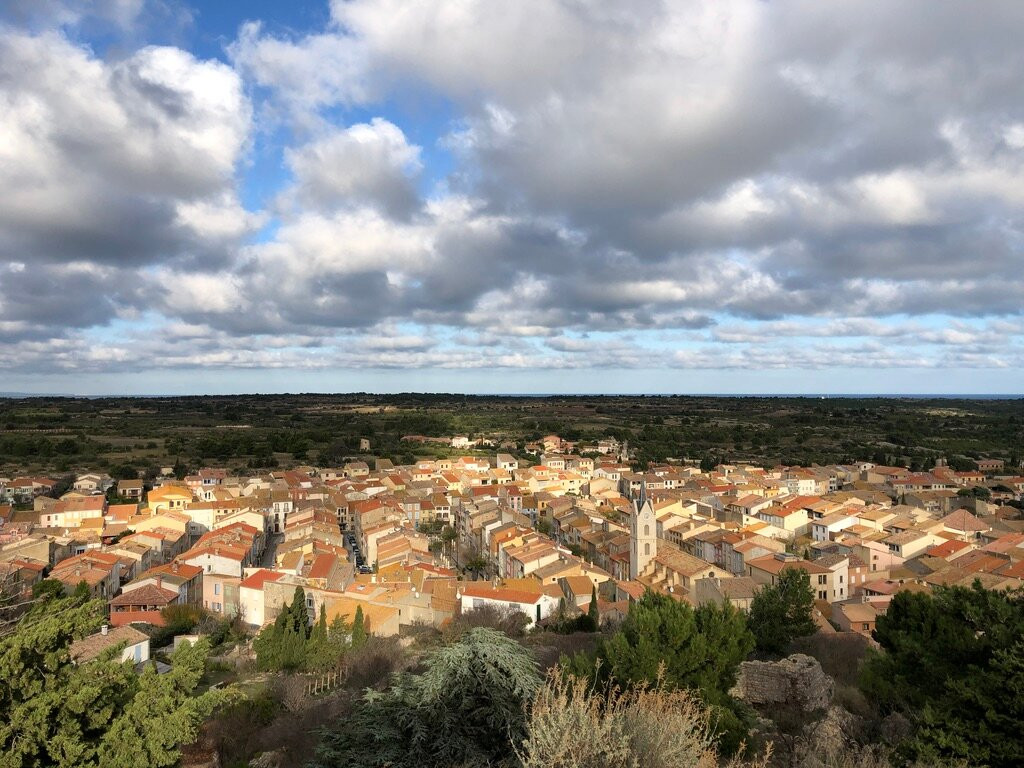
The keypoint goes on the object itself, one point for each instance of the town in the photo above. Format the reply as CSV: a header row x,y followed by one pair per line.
x,y
327,577
419,543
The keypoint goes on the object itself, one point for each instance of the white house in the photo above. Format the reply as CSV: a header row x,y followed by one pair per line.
x,y
536,605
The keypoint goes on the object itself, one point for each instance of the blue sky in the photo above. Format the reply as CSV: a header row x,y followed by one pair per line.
x,y
511,196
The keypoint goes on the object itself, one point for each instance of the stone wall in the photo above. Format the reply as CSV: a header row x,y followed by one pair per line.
x,y
796,680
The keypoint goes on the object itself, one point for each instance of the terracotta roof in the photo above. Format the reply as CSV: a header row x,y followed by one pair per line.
x,y
962,520
946,549
322,566
88,648
484,589
772,564
259,578
147,594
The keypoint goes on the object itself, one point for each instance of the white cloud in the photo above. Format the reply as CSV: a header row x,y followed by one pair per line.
x,y
777,184
367,163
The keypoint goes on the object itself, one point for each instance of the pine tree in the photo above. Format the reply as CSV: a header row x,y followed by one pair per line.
x,y
163,713
666,641
783,611
55,712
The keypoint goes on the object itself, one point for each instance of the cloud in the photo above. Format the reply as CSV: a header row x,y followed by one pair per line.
x,y
364,164
719,185
110,167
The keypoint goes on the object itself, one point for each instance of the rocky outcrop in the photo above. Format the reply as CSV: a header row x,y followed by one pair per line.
x,y
797,680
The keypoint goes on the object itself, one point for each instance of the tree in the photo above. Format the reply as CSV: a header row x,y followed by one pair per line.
x,y
783,612
359,634
668,643
464,709
298,613
54,712
969,703
124,472
50,588
325,646
476,564
163,713
283,644
593,611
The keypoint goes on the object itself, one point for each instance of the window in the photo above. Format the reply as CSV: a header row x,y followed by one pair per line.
x,y
647,548
865,626
822,579
647,530
822,595
840,578
216,589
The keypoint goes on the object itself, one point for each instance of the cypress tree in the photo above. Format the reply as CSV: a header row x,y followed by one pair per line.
x,y
358,628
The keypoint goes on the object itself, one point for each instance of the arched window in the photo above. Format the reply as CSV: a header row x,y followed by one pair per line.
x,y
647,548
647,530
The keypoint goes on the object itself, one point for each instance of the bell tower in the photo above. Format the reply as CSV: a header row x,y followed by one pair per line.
x,y
643,537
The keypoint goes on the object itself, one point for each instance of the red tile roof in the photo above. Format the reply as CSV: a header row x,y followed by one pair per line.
x,y
259,578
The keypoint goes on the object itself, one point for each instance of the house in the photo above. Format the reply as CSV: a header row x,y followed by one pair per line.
x,y
858,615
507,462
142,605
168,498
380,620
101,572
536,604
739,591
964,525
766,570
92,483
824,528
130,489
134,645
73,512
989,465
251,603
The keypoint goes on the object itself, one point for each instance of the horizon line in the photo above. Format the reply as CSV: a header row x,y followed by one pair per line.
x,y
809,395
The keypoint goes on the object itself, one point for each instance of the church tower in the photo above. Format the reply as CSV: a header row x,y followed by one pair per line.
x,y
643,537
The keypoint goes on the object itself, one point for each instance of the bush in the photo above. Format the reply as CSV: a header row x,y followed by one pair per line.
x,y
464,709
372,664
571,726
509,622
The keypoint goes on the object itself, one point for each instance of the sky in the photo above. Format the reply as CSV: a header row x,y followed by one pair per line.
x,y
512,196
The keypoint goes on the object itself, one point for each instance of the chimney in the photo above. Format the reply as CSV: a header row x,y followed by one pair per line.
x,y
103,629
159,582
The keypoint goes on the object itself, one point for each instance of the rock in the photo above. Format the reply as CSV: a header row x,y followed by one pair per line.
x,y
833,733
797,680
